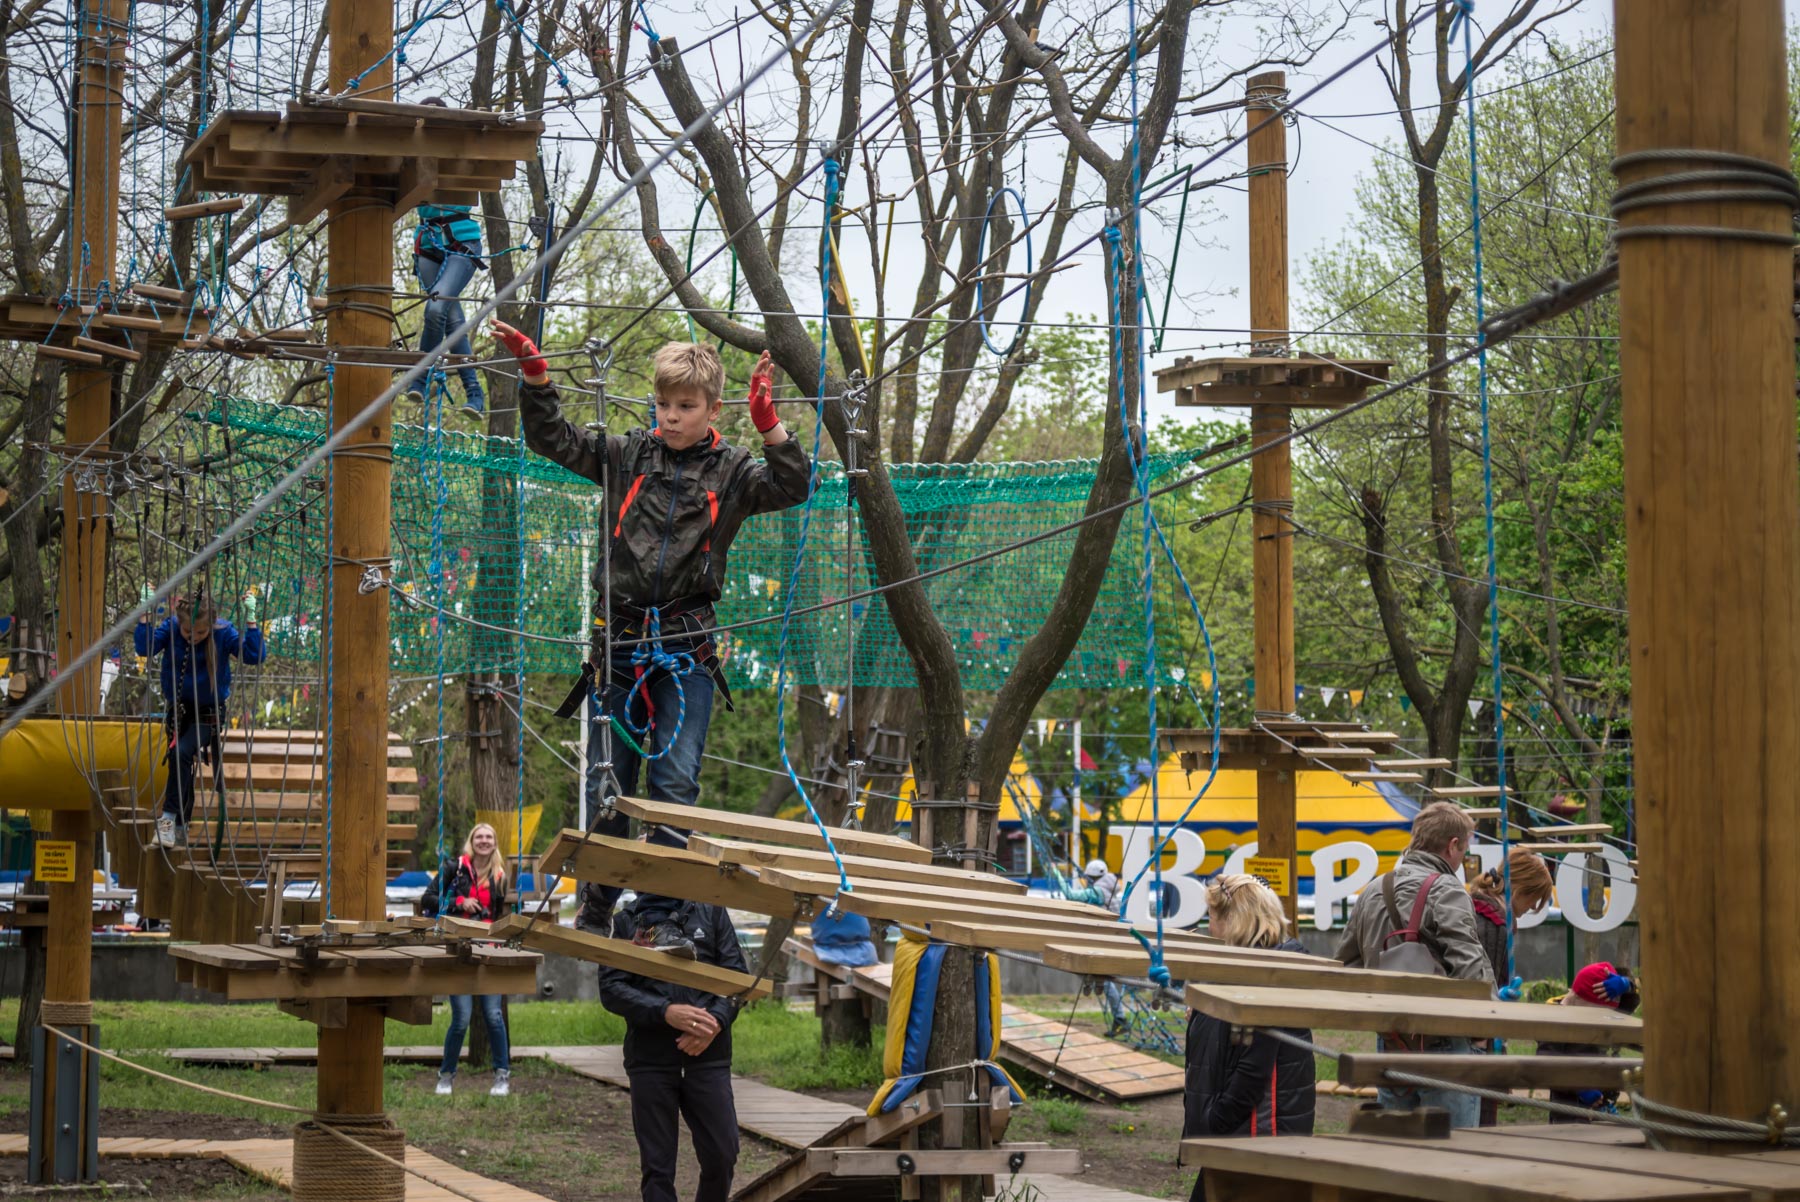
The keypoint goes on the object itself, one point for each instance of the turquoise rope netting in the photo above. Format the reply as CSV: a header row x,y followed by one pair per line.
x,y
953,512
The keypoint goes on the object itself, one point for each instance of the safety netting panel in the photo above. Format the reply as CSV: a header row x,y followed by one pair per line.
x,y
515,540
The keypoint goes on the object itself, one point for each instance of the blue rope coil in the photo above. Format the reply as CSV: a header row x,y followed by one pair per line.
x,y
649,657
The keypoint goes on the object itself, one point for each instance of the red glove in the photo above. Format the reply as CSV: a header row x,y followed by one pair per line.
x,y
531,363
762,405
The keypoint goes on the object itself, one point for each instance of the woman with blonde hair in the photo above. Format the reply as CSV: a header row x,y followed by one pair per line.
x,y
1265,1086
1531,892
477,892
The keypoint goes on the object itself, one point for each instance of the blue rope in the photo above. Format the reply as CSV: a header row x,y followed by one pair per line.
x,y
1465,17
330,637
651,656
643,23
812,491
981,280
398,51
506,10
435,393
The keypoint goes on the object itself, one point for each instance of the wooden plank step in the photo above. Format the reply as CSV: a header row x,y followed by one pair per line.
x,y
47,350
1570,830
619,953
771,830
1333,1010
1359,736
1479,814
1409,764
1338,753
765,855
673,871
1490,1072
1558,849
1392,777
1301,973
1453,791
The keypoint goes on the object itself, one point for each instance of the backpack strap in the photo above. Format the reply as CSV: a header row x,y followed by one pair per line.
x,y
1407,932
1418,914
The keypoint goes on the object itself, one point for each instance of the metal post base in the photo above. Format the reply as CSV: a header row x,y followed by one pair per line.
x,y
65,1109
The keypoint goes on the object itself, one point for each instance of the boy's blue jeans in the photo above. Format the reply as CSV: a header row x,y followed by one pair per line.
x,y
462,1008
674,776
444,312
193,740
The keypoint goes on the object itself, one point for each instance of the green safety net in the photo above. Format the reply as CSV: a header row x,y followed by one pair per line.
x,y
518,539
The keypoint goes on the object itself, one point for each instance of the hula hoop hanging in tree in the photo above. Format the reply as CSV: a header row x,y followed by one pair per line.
x,y
1030,266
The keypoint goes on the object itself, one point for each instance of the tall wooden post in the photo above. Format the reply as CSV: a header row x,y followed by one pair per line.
x,y
1271,471
362,275
62,1134
1713,540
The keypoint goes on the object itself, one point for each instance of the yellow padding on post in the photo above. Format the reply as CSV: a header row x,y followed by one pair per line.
x,y
49,763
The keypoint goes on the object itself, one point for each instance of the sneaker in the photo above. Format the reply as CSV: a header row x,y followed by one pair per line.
x,y
168,833
502,1083
595,916
668,938
444,1084
475,406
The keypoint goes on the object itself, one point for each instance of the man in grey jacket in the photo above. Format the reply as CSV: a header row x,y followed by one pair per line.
x,y
1446,926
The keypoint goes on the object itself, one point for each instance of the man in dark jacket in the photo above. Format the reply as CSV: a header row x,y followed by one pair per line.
x,y
678,1055
675,497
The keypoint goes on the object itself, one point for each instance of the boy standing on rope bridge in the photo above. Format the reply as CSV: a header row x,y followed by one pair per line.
x,y
196,645
674,497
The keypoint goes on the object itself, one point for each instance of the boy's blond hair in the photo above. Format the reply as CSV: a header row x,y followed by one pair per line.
x,y
690,365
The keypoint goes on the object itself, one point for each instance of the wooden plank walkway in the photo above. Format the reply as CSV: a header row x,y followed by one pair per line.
x,y
1079,1061
272,1160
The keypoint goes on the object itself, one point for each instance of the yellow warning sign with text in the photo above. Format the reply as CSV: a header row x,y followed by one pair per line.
x,y
55,862
1270,870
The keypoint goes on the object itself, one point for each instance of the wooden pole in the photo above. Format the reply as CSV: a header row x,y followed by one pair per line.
x,y
1713,542
81,619
361,261
1271,471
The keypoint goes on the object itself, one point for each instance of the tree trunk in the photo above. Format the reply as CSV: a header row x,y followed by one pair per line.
x,y
32,968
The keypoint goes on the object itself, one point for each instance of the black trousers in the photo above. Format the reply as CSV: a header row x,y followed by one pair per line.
x,y
700,1094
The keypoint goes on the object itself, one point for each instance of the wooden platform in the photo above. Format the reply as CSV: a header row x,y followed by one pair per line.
x,y
1336,1010
319,151
1500,1164
246,972
1079,1061
1305,381
25,317
272,1160
1223,968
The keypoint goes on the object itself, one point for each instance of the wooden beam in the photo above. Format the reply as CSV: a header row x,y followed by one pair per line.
x,y
1259,1006
1490,1072
125,321
111,350
156,292
873,868
671,871
1570,830
820,884
48,350
204,208
940,1162
770,830
1354,1168
1220,968
621,954
335,177
418,180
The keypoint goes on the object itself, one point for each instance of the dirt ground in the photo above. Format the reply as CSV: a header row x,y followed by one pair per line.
x,y
171,1180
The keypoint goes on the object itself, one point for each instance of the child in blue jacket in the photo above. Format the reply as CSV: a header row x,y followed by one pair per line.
x,y
446,252
196,646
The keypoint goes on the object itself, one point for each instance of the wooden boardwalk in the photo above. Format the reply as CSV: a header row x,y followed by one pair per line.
x,y
272,1160
1079,1061
782,1117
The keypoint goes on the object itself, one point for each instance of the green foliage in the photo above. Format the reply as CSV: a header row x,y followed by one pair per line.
x,y
782,1047
1061,1116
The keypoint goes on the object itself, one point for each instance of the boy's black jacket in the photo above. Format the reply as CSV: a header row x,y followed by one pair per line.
x,y
641,1001
672,514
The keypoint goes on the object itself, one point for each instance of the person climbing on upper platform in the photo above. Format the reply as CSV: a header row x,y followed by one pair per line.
x,y
196,645
675,497
446,252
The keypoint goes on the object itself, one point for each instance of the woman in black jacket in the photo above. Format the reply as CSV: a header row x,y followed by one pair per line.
x,y
477,892
1265,1086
